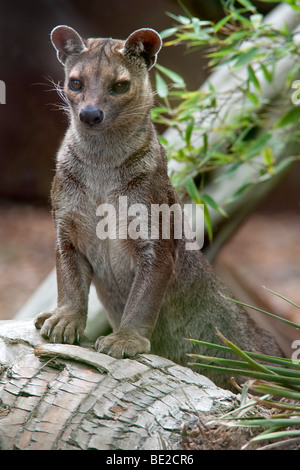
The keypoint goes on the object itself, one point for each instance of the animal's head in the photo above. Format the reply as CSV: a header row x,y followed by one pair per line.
x,y
106,80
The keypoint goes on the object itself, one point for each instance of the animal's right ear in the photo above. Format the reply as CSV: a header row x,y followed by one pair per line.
x,y
66,42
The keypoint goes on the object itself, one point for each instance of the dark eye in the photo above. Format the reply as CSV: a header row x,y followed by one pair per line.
x,y
119,88
75,84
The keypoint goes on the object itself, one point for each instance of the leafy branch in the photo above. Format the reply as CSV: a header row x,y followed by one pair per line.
x,y
220,131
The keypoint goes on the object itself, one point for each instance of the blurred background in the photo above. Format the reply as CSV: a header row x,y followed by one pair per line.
x,y
264,251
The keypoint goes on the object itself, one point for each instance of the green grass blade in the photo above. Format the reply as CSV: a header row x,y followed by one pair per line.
x,y
268,422
255,365
238,363
209,345
264,312
263,357
293,383
245,372
276,404
221,361
275,435
282,297
276,391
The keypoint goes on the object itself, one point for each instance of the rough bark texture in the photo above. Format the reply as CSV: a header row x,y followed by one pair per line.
x,y
55,396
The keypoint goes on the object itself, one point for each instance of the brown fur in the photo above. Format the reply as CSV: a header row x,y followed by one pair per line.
x,y
151,289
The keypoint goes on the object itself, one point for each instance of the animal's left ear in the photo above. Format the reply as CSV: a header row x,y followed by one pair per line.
x,y
145,43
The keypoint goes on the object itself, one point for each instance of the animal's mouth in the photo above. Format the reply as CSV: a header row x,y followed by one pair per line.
x,y
95,129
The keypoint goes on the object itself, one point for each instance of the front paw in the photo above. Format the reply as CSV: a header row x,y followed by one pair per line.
x,y
61,325
122,344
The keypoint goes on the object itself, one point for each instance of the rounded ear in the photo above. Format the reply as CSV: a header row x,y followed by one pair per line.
x,y
66,42
144,43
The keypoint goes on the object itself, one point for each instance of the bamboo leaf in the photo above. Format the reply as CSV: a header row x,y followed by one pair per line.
x,y
208,223
161,86
246,57
175,77
248,5
168,32
284,164
221,23
267,74
192,190
253,98
212,203
242,189
289,118
257,145
189,131
253,78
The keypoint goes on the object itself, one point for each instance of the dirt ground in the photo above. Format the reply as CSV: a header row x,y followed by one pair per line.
x,y
26,253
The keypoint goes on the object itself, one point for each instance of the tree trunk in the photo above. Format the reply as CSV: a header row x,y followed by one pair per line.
x,y
55,396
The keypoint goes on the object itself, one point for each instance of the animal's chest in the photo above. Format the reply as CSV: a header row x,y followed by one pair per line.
x,y
95,234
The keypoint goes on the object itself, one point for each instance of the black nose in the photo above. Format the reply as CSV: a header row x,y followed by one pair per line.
x,y
91,115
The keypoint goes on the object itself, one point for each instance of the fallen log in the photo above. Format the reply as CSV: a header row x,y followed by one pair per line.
x,y
56,396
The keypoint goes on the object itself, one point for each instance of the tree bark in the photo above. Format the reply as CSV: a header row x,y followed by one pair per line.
x,y
55,396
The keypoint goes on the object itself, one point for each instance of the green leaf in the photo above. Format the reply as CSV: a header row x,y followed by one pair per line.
x,y
194,195
163,141
238,193
161,86
253,78
177,79
268,157
257,145
284,164
256,20
267,74
241,18
246,57
247,4
229,171
168,32
221,23
208,223
189,131
290,117
253,98
180,18
192,190
212,203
